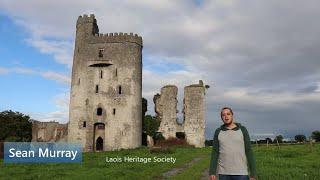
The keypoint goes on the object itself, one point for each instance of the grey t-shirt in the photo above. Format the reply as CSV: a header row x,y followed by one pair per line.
x,y
232,157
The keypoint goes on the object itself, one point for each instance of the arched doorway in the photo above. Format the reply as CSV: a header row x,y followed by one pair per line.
x,y
99,136
99,144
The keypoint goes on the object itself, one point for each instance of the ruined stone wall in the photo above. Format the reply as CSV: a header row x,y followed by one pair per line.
x,y
193,108
166,110
49,132
106,74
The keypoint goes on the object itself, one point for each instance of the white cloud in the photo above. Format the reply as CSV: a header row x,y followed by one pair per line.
x,y
61,115
264,100
61,50
50,75
22,70
3,70
253,54
318,87
61,78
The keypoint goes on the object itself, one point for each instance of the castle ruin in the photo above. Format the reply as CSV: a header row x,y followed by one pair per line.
x,y
49,132
106,89
193,125
106,106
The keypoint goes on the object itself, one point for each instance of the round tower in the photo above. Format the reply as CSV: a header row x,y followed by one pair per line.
x,y
106,89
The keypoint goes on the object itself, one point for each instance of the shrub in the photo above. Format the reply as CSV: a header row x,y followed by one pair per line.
x,y
173,142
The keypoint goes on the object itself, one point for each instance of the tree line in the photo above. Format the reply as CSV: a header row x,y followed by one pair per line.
x,y
17,127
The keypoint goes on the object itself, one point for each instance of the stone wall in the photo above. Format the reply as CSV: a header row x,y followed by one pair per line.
x,y
49,132
106,96
106,75
166,110
193,108
194,123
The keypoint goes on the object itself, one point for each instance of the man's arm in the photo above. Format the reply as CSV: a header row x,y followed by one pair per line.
x,y
215,153
249,153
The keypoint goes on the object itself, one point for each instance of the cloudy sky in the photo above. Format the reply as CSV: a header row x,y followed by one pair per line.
x,y
262,58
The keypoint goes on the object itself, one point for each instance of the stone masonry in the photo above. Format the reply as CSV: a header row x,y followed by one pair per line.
x,y
106,89
49,132
194,123
106,105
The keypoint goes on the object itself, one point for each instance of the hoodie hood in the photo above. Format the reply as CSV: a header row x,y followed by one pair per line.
x,y
224,128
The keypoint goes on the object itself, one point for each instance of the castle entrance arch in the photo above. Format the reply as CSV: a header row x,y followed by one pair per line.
x,y
99,132
99,144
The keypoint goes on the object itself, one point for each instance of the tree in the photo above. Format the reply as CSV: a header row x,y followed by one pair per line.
x,y
278,138
15,126
150,125
316,136
268,140
300,138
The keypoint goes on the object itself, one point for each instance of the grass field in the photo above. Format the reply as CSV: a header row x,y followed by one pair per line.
x,y
287,162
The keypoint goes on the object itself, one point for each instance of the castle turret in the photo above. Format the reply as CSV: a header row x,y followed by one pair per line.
x,y
194,106
106,89
87,26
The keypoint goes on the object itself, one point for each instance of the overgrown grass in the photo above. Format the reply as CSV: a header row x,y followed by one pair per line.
x,y
95,166
287,162
290,162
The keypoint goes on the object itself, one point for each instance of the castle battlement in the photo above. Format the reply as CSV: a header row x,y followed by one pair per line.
x,y
86,19
117,37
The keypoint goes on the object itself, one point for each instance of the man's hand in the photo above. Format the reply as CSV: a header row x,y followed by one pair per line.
x,y
252,178
212,177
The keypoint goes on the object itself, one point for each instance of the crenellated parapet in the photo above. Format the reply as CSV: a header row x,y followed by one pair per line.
x,y
96,37
86,19
117,38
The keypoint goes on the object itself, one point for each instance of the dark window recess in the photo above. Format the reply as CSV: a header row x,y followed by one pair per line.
x,y
114,111
101,52
120,90
116,72
84,124
101,74
100,126
180,135
99,111
97,88
79,81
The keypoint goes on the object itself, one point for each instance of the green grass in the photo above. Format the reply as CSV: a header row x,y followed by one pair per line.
x,y
95,166
289,162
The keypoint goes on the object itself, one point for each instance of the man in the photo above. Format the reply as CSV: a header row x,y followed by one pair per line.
x,y
231,152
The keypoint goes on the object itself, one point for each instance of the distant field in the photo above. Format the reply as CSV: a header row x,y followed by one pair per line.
x,y
288,162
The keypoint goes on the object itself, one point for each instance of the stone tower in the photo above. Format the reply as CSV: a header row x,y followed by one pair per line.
x,y
193,126
106,89
194,115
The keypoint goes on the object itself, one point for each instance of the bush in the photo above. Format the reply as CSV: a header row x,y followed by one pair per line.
x,y
12,139
158,137
316,136
15,126
173,142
